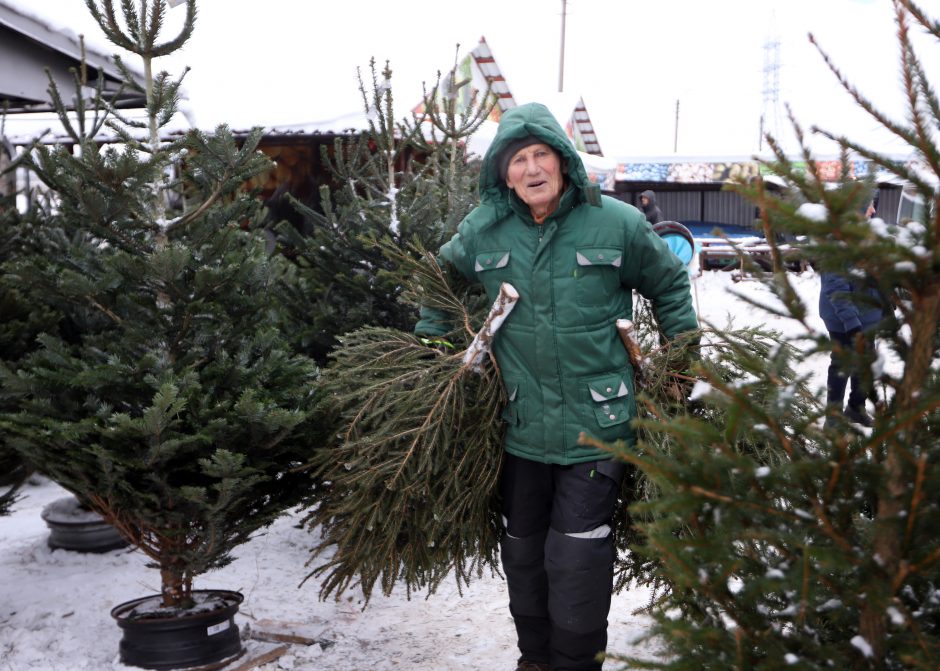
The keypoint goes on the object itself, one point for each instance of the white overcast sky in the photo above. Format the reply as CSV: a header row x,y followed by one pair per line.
x,y
275,62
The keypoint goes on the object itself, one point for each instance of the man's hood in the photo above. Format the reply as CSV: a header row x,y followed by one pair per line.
x,y
533,119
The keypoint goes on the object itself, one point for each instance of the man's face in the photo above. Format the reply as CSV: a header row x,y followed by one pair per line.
x,y
644,201
535,174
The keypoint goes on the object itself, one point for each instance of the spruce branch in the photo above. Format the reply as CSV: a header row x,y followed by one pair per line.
x,y
140,32
932,27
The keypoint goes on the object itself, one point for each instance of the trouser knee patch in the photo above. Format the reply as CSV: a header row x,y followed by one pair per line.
x,y
580,575
524,564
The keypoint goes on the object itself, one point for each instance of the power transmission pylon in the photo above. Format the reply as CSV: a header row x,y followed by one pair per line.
x,y
770,109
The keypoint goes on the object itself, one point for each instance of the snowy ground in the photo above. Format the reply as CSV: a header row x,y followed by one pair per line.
x,y
54,605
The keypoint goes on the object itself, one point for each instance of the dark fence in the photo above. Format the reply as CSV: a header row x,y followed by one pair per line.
x,y
687,203
707,203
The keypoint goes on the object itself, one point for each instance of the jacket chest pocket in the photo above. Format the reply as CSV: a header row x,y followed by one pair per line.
x,y
609,399
598,274
493,268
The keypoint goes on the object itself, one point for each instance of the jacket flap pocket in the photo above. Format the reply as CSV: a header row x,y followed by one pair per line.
x,y
608,387
599,256
491,260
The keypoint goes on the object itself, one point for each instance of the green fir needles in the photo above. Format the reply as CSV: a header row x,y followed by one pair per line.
x,y
410,483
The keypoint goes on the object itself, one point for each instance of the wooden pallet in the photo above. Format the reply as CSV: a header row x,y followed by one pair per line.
x,y
266,641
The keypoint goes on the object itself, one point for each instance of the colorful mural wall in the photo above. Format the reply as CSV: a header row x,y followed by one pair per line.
x,y
722,171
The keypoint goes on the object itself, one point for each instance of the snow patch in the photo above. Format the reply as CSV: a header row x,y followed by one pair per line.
x,y
862,645
896,616
699,390
813,211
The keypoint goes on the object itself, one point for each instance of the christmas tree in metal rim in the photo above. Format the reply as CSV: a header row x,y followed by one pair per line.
x,y
828,557
165,396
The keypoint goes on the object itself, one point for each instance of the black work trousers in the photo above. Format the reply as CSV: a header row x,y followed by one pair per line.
x,y
558,556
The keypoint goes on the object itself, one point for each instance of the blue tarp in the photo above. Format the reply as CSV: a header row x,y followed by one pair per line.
x,y
706,229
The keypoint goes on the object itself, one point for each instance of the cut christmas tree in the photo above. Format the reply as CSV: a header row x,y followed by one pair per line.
x,y
409,478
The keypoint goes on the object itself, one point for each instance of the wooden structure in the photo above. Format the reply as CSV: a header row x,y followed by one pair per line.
x,y
29,47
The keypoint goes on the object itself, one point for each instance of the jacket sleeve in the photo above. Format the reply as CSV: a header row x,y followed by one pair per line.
x,y
658,275
435,322
836,288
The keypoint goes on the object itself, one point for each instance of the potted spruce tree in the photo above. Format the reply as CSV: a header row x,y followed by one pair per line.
x,y
166,397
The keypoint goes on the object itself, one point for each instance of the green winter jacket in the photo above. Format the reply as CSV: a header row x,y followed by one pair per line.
x,y
562,362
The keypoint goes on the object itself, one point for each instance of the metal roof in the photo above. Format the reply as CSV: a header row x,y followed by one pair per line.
x,y
28,47
583,128
485,61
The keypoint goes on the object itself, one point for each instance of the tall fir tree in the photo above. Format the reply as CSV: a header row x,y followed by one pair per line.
x,y
830,556
166,395
408,180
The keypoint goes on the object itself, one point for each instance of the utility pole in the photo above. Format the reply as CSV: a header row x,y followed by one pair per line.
x,y
675,137
561,64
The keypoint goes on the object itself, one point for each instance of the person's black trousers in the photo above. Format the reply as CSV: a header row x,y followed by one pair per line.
x,y
558,556
840,375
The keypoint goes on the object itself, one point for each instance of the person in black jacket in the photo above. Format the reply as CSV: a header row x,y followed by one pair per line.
x,y
648,204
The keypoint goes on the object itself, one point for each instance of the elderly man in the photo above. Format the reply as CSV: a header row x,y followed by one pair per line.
x,y
575,257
